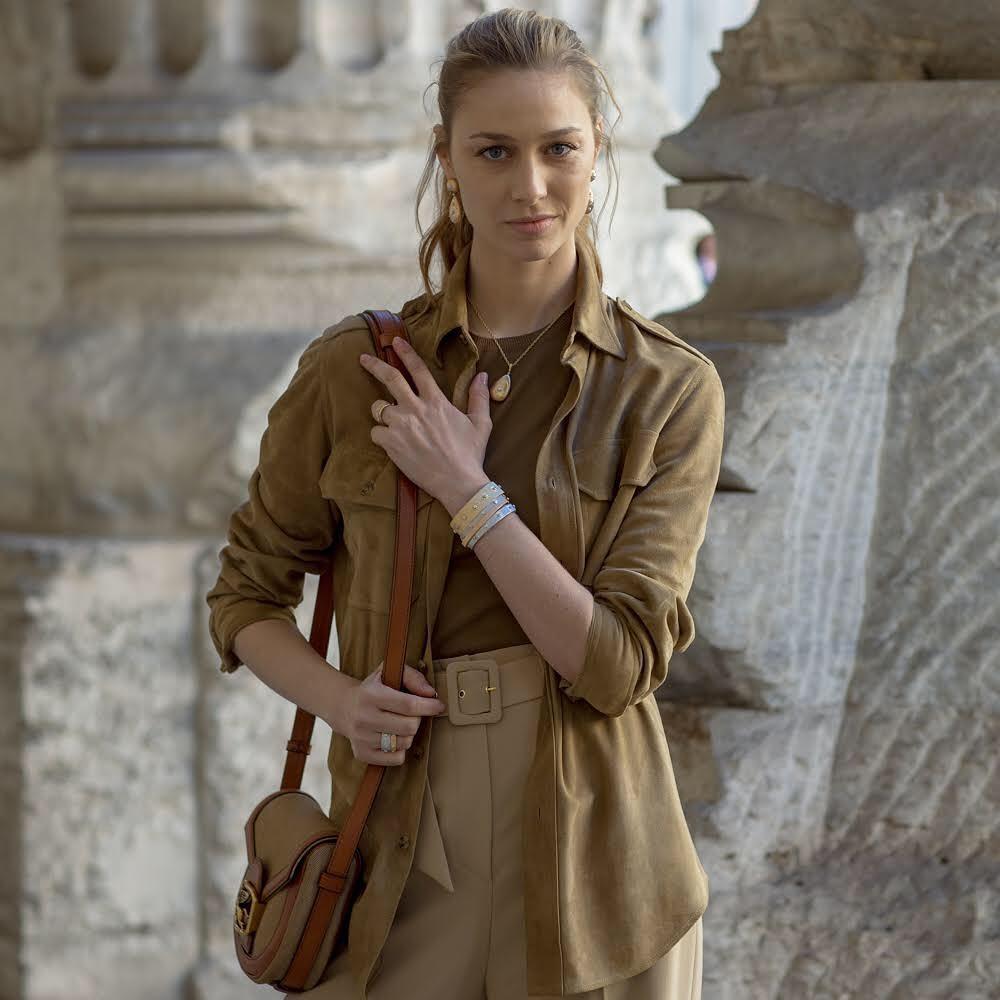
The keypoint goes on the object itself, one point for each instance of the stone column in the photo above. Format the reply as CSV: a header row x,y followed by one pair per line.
x,y
842,695
30,692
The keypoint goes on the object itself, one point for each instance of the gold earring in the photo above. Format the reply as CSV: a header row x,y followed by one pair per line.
x,y
454,208
590,201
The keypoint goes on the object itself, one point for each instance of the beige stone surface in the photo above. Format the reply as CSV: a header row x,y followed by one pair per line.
x,y
106,812
844,680
788,41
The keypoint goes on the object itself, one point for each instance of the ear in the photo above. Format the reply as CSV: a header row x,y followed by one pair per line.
x,y
441,151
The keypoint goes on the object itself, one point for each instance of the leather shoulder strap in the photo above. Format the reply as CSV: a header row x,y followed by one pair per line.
x,y
384,325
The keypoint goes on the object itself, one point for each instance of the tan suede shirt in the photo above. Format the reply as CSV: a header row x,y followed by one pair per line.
x,y
625,476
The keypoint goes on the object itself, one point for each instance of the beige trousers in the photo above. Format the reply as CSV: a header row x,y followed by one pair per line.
x,y
471,837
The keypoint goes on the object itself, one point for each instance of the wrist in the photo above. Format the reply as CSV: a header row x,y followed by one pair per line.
x,y
461,489
341,689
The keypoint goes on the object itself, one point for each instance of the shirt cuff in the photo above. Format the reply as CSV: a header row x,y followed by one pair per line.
x,y
607,645
224,625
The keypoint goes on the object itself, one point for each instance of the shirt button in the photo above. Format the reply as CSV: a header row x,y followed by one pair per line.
x,y
404,842
422,664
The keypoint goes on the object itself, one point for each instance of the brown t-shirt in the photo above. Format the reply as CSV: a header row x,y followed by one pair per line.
x,y
473,617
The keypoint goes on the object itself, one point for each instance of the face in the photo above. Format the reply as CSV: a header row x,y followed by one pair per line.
x,y
528,172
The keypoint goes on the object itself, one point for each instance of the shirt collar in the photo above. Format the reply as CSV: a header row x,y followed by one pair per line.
x,y
591,312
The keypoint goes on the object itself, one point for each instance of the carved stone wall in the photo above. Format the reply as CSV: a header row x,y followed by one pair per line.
x,y
843,684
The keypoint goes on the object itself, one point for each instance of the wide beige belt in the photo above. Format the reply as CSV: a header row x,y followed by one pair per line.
x,y
476,688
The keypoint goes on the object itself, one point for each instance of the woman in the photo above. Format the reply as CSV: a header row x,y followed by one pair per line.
x,y
528,839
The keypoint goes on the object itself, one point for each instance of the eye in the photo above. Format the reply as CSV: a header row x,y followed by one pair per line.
x,y
494,159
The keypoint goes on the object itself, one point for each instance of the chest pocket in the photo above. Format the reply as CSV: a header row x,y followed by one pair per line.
x,y
361,480
608,473
604,466
597,467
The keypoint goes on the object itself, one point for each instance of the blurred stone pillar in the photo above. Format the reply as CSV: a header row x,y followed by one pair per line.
x,y
30,289
843,684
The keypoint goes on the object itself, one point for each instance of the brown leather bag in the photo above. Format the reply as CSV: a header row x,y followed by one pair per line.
x,y
303,875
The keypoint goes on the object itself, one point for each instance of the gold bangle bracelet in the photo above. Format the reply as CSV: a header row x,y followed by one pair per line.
x,y
474,505
491,508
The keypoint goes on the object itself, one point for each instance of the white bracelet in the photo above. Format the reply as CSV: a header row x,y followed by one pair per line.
x,y
495,519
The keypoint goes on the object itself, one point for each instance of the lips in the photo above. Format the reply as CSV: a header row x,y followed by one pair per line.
x,y
533,228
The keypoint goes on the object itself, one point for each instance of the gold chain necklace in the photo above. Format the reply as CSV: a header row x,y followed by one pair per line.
x,y
500,389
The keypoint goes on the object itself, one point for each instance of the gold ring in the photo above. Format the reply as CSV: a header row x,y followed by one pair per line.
x,y
381,409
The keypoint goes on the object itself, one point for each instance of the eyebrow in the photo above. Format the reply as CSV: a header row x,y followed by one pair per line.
x,y
547,135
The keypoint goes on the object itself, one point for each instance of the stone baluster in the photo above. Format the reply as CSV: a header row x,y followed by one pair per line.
x,y
98,29
342,34
260,35
182,34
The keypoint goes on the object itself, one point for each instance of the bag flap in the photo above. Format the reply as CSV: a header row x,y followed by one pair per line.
x,y
281,831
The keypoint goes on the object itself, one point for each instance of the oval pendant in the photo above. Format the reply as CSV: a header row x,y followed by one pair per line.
x,y
501,388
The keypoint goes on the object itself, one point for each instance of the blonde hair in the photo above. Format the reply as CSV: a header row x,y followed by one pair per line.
x,y
510,38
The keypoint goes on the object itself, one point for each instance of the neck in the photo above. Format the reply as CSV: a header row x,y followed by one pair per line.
x,y
517,296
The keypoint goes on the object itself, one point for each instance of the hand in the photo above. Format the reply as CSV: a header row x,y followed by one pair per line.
x,y
372,708
432,442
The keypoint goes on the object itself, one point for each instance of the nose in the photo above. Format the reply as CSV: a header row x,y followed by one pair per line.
x,y
529,185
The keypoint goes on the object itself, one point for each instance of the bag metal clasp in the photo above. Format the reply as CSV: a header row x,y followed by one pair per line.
x,y
248,909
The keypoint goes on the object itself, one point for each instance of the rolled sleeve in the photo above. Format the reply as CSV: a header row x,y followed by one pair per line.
x,y
286,527
640,591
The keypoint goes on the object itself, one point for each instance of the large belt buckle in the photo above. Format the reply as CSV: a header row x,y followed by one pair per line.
x,y
473,691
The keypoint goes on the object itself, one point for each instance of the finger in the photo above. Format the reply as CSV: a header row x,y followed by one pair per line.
x,y
383,721
416,681
478,409
426,385
395,700
401,704
383,759
391,377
